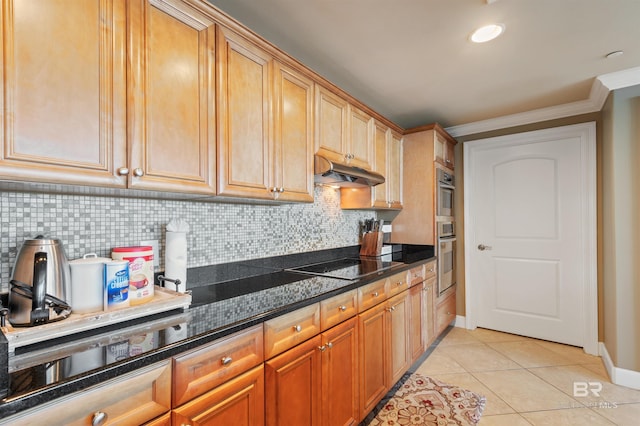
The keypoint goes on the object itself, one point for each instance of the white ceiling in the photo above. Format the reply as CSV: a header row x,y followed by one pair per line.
x,y
411,61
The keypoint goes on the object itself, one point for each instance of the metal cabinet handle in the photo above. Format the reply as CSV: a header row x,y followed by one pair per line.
x,y
138,172
329,345
281,189
226,360
99,418
482,247
123,171
375,294
297,328
342,308
399,283
322,348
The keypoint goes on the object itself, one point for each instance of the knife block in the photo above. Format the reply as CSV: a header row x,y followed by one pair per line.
x,y
371,244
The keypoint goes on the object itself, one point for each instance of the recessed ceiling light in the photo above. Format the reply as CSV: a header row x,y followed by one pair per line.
x,y
487,33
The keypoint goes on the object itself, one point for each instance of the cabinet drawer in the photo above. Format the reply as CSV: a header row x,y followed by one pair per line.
x,y
338,308
445,312
206,367
134,398
397,284
371,294
430,270
288,330
416,275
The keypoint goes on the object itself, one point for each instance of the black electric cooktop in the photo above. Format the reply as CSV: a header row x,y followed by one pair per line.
x,y
346,268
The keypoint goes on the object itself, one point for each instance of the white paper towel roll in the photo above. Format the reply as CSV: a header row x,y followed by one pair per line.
x,y
175,260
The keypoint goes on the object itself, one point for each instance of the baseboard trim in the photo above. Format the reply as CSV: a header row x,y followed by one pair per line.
x,y
619,376
460,321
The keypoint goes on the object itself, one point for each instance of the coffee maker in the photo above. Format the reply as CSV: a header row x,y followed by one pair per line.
x,y
40,284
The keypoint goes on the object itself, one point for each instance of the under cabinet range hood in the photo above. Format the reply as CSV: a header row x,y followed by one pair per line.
x,y
329,173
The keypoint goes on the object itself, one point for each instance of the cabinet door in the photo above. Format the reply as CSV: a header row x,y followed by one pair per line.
x,y
398,329
373,356
292,386
171,119
416,333
331,125
244,105
237,402
63,93
379,192
394,170
293,135
360,139
340,375
450,155
428,312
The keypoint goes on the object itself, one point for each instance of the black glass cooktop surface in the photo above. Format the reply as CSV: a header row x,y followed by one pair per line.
x,y
346,268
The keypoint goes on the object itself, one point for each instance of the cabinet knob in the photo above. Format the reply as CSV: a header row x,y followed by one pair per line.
x,y
375,294
274,189
123,171
99,418
322,348
281,189
399,283
226,360
297,328
329,345
138,172
342,308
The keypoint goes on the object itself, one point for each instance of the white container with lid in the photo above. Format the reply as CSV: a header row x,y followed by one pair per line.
x,y
87,283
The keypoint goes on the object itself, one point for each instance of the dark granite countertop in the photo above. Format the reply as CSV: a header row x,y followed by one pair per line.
x,y
225,299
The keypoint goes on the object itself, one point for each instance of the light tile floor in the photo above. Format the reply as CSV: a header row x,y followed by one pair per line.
x,y
529,381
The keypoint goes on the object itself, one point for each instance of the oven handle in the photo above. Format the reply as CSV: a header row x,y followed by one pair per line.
x,y
446,185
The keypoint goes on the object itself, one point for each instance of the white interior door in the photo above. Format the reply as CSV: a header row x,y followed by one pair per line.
x,y
530,234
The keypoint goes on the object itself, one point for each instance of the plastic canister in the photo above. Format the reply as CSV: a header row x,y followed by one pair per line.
x,y
116,284
140,272
87,283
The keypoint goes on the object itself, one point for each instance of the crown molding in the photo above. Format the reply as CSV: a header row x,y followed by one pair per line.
x,y
600,89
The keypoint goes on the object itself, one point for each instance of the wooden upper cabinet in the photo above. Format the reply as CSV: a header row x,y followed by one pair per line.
x,y
265,124
63,94
171,116
343,132
394,170
379,192
244,117
331,125
293,135
443,148
360,144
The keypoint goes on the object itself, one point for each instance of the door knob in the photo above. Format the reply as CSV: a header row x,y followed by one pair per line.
x,y
482,247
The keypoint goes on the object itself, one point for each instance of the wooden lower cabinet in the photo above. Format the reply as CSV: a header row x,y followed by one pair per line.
x,y
239,401
445,312
133,398
428,312
293,385
398,336
339,380
373,357
416,323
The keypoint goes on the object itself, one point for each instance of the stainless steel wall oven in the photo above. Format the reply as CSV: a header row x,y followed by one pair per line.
x,y
445,183
446,256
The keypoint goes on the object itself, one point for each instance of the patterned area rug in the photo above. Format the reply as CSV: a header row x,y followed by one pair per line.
x,y
420,400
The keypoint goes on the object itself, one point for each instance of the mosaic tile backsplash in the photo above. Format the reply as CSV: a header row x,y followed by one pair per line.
x,y
220,232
